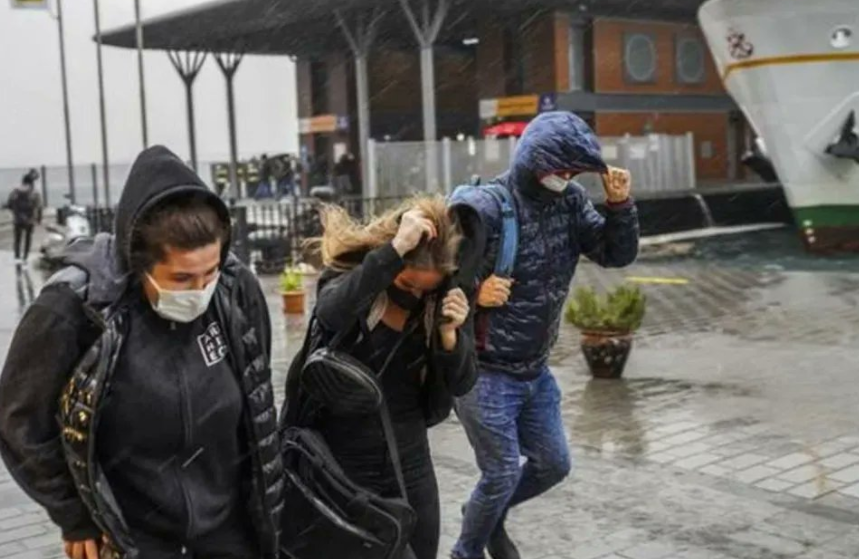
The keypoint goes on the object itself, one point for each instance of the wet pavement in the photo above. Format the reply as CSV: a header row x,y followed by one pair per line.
x,y
734,435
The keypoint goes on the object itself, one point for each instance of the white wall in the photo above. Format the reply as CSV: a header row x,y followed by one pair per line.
x,y
31,115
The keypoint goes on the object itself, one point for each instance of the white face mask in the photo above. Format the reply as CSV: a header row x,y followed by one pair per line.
x,y
183,306
555,183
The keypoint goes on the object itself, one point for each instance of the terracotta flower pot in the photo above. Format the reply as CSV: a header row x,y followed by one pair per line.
x,y
606,353
293,302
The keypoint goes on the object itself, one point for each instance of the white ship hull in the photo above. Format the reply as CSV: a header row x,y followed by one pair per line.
x,y
793,68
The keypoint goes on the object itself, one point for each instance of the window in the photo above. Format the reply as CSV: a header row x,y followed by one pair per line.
x,y
639,58
689,60
319,87
577,57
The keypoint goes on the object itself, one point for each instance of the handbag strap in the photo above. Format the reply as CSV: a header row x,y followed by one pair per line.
x,y
385,414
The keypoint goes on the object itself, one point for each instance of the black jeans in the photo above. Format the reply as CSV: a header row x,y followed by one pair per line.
x,y
423,496
23,233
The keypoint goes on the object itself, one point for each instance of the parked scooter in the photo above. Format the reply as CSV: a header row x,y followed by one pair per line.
x,y
72,224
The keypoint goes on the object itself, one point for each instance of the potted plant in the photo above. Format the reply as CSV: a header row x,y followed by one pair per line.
x,y
292,291
607,324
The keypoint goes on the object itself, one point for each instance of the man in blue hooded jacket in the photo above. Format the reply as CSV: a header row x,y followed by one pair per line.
x,y
514,410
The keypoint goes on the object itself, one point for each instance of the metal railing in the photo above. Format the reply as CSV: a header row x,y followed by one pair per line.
x,y
271,235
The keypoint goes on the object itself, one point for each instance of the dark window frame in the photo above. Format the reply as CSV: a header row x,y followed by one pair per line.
x,y
628,76
679,39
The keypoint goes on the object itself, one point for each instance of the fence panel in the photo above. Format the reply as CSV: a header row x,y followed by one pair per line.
x,y
658,163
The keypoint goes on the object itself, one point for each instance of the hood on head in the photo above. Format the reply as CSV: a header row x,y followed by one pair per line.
x,y
157,174
554,142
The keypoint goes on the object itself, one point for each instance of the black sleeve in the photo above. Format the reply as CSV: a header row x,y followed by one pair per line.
x,y
46,347
458,367
341,300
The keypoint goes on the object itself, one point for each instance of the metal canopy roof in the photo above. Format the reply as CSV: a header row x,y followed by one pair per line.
x,y
308,28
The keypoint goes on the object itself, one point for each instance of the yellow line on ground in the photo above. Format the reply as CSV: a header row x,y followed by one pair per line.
x,y
793,59
658,281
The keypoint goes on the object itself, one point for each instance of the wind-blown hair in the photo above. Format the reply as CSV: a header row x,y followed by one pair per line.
x,y
345,241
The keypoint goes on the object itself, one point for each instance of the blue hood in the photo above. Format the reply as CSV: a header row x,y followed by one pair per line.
x,y
553,142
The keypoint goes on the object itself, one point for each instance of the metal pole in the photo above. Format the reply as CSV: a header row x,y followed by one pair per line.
x,y
192,135
106,160
430,133
44,186
139,25
94,172
234,157
428,92
363,118
66,115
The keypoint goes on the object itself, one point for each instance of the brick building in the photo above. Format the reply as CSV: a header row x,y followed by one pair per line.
x,y
624,75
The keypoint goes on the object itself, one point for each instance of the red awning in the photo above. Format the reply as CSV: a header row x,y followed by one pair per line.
x,y
506,129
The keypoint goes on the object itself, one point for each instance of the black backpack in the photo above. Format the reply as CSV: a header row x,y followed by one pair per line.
x,y
327,514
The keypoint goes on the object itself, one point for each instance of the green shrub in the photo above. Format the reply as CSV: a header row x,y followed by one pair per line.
x,y
621,310
291,280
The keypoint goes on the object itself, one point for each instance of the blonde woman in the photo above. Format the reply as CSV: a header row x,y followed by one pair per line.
x,y
383,281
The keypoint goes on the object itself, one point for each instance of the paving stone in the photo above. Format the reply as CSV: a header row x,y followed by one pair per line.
x,y
662,458
755,473
847,475
716,470
684,451
803,474
814,489
45,541
742,461
775,485
850,491
651,550
839,461
595,550
695,462
790,461
768,542
11,548
684,438
21,520
20,533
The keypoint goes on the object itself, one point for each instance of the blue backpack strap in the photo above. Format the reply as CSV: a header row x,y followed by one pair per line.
x,y
505,261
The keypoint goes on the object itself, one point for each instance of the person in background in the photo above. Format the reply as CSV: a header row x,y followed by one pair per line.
x,y
25,203
135,402
514,410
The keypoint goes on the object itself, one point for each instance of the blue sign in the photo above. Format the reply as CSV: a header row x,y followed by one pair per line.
x,y
548,102
342,123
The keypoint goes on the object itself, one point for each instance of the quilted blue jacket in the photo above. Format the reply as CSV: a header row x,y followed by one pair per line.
x,y
554,230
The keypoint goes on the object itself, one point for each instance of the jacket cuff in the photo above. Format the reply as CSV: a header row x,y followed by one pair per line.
x,y
82,530
619,206
388,261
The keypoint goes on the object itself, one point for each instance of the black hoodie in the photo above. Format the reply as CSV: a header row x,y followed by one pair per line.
x,y
56,331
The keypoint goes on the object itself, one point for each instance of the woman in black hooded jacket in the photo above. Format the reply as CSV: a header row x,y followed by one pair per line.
x,y
383,281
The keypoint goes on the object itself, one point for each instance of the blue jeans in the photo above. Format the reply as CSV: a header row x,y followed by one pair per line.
x,y
506,419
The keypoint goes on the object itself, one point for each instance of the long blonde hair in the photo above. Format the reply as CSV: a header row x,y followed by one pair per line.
x,y
345,241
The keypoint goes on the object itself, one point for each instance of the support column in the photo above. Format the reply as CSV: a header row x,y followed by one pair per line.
x,y
139,40
101,104
229,63
360,38
188,65
426,32
66,115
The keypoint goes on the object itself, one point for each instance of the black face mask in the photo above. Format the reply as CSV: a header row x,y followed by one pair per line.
x,y
403,299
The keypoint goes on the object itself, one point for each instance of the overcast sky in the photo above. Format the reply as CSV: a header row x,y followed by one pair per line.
x,y
31,117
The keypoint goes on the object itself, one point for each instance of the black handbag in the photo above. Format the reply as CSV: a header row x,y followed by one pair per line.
x,y
325,513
